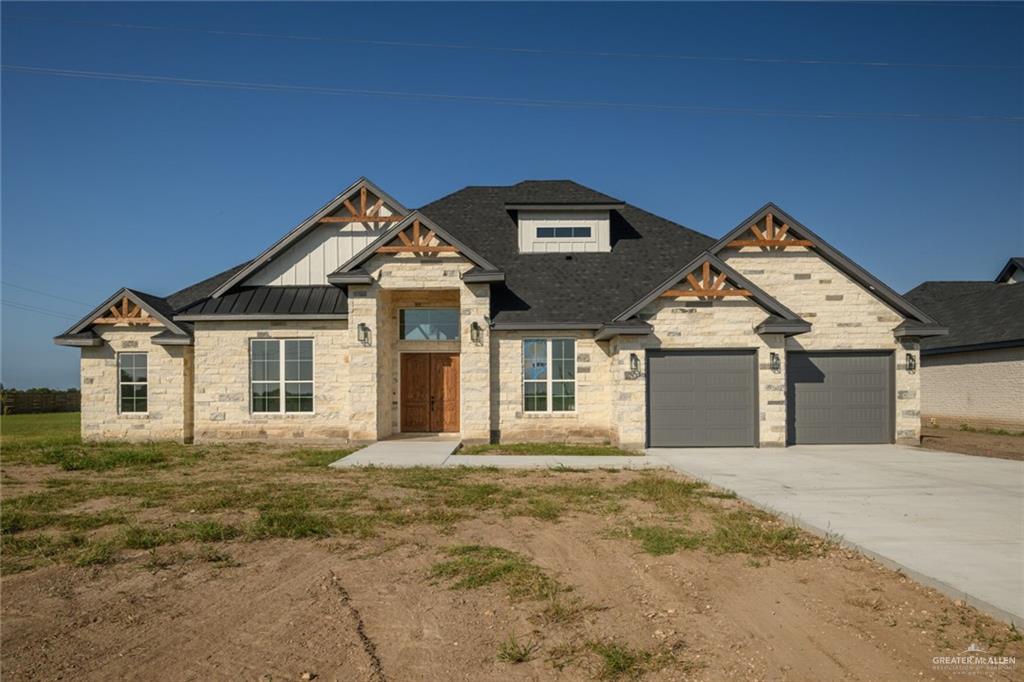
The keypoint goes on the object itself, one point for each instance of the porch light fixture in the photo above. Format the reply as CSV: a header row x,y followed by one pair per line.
x,y
775,362
634,364
911,363
476,332
364,334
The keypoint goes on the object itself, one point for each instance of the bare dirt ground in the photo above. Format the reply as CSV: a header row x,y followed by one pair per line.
x,y
973,442
253,564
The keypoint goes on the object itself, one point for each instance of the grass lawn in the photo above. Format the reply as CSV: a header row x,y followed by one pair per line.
x,y
249,560
562,449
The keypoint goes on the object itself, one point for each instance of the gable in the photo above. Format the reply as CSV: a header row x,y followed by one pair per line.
x,y
127,309
316,247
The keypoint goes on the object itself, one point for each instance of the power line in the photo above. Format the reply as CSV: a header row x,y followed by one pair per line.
x,y
522,50
505,101
43,293
34,309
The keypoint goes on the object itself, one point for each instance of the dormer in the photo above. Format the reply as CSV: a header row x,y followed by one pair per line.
x,y
560,216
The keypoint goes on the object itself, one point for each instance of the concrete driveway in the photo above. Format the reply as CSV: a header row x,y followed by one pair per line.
x,y
950,521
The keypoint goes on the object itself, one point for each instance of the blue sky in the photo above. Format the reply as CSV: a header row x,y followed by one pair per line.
x,y
109,183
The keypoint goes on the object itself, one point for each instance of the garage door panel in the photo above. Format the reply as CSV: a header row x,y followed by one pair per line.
x,y
839,397
701,398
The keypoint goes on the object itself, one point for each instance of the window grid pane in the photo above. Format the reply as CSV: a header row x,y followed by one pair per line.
x,y
281,378
132,378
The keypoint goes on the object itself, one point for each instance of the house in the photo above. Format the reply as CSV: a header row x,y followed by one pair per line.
x,y
541,311
975,375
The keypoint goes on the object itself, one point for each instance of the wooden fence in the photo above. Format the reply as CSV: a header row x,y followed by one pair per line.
x,y
26,402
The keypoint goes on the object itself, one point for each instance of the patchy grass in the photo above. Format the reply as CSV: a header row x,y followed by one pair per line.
x,y
511,650
473,566
659,540
667,494
619,661
97,553
746,531
559,449
995,432
317,458
290,524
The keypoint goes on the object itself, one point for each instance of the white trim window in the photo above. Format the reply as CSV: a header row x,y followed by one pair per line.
x,y
277,372
133,382
549,375
574,232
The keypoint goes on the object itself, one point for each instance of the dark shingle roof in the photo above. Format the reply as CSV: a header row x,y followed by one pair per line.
x,y
587,288
322,300
975,312
194,293
553,192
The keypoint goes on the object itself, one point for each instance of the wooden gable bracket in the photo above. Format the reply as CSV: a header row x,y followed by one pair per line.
x,y
418,242
707,286
772,236
364,214
126,312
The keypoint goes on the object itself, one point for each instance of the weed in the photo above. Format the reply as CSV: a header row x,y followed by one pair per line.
x,y
619,661
473,566
543,508
213,555
208,531
289,524
514,651
141,537
659,540
97,553
667,494
758,534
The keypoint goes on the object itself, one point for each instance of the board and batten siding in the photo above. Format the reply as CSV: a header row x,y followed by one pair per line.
x,y
598,222
319,253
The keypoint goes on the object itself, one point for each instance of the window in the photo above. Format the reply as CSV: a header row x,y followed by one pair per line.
x,y
133,375
428,324
278,373
563,233
549,375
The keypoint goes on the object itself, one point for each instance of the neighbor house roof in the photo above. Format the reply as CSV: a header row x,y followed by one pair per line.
x,y
978,314
1012,266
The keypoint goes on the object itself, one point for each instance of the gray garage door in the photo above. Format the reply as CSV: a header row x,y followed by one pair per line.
x,y
701,398
839,397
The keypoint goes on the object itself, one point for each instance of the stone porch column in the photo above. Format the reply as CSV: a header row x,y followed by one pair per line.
x,y
475,364
629,394
362,363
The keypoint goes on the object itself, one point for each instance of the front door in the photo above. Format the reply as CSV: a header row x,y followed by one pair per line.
x,y
430,392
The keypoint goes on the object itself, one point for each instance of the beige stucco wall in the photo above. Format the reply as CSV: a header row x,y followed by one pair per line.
x,y
984,389
222,399
843,316
590,422
169,387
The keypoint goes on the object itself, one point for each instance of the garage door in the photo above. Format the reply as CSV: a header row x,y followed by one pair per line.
x,y
839,397
701,398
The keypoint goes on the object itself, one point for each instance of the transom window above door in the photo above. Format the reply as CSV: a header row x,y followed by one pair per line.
x,y
428,324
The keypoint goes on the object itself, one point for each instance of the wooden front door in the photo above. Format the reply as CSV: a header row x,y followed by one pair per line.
x,y
430,392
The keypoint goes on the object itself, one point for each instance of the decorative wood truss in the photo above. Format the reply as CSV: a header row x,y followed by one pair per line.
x,y
711,285
368,211
769,236
126,313
419,241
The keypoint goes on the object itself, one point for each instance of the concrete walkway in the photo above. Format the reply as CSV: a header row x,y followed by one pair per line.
x,y
437,451
952,522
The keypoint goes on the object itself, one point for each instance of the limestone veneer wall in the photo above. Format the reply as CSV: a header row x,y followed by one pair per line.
x,y
843,315
591,422
687,324
984,389
169,389
222,390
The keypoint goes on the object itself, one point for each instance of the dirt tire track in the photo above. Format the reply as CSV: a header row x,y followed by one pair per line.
x,y
376,668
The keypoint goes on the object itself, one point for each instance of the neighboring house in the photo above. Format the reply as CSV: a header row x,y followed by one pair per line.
x,y
975,375
538,311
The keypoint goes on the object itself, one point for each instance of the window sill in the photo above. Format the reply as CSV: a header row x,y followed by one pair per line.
x,y
548,415
133,415
281,415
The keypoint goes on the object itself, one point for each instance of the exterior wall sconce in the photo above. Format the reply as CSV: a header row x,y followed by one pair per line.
x,y
634,364
476,332
363,334
775,362
911,363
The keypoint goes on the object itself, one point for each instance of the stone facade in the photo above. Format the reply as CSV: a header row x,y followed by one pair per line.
x,y
982,389
843,316
590,422
169,389
222,401
357,375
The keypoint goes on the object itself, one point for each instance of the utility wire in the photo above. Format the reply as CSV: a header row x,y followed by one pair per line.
x,y
43,293
505,101
521,50
34,309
